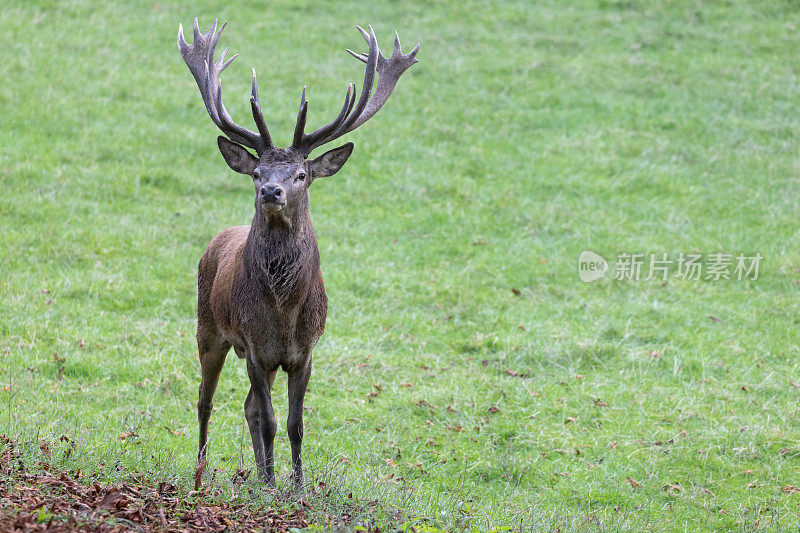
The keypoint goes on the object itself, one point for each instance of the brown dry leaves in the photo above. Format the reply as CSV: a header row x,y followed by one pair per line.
x,y
68,501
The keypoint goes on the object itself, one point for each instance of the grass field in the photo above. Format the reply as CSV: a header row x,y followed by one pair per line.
x,y
528,133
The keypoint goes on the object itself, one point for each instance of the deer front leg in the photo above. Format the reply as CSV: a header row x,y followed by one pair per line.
x,y
212,359
261,419
298,383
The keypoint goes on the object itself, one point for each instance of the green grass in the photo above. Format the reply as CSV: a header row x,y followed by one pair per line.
x,y
527,133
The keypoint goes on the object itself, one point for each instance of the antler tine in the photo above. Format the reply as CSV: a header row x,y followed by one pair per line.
x,y
196,30
388,71
369,76
396,49
324,131
300,126
199,57
258,116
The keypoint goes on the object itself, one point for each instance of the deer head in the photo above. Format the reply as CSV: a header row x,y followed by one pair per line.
x,y
281,176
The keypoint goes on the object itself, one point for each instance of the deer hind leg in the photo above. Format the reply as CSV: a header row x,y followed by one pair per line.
x,y
261,419
298,383
212,358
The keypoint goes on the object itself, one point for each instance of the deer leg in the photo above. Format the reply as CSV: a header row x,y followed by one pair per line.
x,y
253,417
298,383
261,419
212,359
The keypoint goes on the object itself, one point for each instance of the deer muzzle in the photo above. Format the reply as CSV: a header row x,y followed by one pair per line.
x,y
272,195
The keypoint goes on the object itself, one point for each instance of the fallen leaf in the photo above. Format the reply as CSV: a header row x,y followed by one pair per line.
x,y
790,489
110,499
713,318
635,484
128,435
455,428
416,465
570,419
241,474
516,292
494,409
599,403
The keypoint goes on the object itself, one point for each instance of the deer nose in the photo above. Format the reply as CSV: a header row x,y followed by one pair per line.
x,y
271,193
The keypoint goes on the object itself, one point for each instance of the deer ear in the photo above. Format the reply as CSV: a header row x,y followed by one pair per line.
x,y
330,162
237,156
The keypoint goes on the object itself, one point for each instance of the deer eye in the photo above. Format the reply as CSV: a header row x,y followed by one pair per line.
x,y
256,174
301,176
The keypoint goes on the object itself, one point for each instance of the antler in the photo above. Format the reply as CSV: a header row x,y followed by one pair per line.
x,y
199,57
349,118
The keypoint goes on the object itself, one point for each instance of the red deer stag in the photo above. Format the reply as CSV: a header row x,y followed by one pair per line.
x,y
260,286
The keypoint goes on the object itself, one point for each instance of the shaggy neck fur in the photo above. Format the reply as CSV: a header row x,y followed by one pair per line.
x,y
279,249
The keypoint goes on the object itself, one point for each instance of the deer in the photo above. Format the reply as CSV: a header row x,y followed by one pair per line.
x,y
260,287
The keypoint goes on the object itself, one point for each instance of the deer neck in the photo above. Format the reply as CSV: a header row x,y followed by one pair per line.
x,y
279,252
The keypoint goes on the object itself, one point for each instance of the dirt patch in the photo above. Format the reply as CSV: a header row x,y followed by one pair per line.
x,y
67,501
